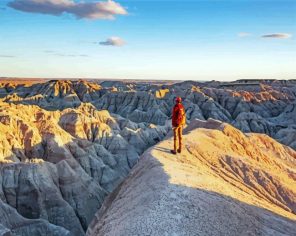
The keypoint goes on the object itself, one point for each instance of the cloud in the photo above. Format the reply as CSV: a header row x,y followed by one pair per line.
x,y
49,51
7,56
88,10
55,53
113,41
70,55
277,36
243,34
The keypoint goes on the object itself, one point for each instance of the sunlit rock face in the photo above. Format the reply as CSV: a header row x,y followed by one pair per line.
x,y
252,106
58,166
65,145
225,182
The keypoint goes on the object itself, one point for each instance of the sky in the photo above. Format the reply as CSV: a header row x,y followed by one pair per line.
x,y
141,39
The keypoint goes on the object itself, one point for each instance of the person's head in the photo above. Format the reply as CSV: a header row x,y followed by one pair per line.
x,y
178,99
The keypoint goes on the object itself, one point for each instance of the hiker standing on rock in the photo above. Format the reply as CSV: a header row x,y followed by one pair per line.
x,y
178,120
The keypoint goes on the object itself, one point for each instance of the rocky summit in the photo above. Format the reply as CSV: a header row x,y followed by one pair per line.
x,y
67,147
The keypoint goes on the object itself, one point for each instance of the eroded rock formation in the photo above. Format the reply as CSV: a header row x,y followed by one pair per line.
x,y
58,166
224,183
65,145
265,107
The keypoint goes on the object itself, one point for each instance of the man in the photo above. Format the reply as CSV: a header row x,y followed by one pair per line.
x,y
178,120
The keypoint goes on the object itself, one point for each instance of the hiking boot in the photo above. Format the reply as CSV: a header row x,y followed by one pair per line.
x,y
173,152
179,150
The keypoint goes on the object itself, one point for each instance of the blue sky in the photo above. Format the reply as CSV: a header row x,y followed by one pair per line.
x,y
199,40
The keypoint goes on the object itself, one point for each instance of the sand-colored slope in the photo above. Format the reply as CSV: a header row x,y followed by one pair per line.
x,y
224,183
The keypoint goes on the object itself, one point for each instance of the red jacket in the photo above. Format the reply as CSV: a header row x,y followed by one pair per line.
x,y
178,115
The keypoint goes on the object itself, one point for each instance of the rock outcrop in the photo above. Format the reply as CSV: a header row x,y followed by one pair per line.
x,y
224,183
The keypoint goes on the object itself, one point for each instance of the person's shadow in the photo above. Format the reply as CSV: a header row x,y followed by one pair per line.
x,y
162,149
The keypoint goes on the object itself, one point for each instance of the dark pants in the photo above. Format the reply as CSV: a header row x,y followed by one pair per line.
x,y
178,135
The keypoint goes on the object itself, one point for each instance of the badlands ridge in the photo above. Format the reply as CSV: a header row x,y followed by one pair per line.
x,y
224,183
67,145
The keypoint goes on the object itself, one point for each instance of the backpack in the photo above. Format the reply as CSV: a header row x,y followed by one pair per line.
x,y
179,115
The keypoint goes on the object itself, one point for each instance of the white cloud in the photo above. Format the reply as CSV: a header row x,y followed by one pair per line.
x,y
243,34
7,56
89,10
113,41
277,35
55,53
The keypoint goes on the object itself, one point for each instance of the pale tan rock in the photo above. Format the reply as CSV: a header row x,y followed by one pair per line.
x,y
58,166
225,182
